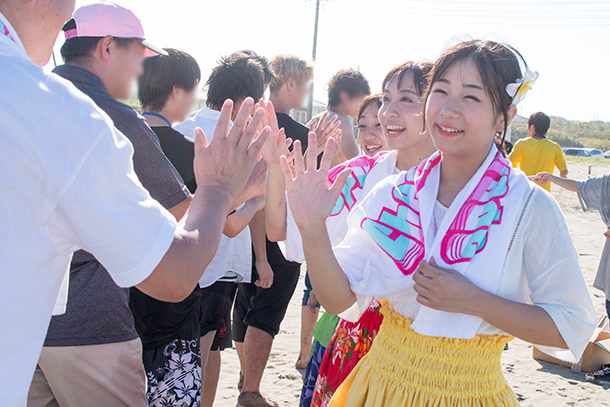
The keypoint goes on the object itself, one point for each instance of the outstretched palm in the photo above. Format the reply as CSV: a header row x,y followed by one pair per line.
x,y
309,193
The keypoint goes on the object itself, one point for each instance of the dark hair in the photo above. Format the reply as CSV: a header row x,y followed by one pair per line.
x,y
420,70
235,79
264,62
541,123
83,47
498,65
163,73
349,81
369,100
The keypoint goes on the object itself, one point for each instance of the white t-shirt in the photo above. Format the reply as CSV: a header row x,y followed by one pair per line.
x,y
233,259
204,118
67,183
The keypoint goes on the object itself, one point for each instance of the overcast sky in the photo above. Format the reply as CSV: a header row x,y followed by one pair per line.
x,y
566,41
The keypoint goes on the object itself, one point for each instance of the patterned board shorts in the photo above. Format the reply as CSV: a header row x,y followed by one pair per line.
x,y
174,374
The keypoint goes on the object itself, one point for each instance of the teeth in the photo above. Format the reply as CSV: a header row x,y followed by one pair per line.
x,y
394,128
450,130
373,148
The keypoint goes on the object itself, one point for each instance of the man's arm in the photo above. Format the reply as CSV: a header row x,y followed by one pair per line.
x,y
219,182
564,173
259,244
239,220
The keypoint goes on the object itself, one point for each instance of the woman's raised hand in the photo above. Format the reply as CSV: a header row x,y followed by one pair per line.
x,y
309,193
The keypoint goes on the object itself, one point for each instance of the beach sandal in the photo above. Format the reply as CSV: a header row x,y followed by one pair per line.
x,y
601,376
253,399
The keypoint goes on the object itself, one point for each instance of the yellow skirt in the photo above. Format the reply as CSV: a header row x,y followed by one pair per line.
x,y
404,368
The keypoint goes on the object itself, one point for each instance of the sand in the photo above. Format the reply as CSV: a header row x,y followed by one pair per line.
x,y
537,384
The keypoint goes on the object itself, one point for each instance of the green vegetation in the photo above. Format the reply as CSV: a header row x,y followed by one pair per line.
x,y
588,160
569,133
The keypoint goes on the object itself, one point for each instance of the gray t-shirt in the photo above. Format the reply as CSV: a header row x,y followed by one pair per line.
x,y
98,310
594,193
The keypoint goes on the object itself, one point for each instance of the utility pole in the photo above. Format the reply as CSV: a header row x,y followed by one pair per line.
x,y
313,57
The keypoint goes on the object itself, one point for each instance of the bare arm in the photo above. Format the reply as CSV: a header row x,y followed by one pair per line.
x,y
544,177
448,290
259,243
564,173
180,210
275,193
311,201
275,204
239,220
327,277
219,182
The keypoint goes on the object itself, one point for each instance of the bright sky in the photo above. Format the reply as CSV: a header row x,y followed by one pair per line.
x,y
566,41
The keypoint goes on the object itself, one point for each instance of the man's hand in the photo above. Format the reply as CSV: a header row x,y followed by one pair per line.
x,y
265,274
324,130
227,162
310,195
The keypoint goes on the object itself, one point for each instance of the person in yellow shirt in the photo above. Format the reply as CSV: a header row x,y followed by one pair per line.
x,y
536,153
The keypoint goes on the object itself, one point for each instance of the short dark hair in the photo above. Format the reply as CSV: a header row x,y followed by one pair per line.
x,y
82,47
420,70
235,79
163,73
264,62
349,81
368,101
541,123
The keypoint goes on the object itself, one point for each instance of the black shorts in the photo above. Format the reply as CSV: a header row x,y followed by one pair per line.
x,y
265,308
216,302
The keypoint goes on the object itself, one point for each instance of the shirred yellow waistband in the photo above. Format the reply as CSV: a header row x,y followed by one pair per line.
x,y
446,367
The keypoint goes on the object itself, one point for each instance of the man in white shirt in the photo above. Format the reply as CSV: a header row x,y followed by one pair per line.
x,y
68,183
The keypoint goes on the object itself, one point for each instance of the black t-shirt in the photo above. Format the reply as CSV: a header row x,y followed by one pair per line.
x,y
294,130
157,322
180,151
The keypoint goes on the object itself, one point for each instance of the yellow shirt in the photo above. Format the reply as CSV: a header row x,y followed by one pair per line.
x,y
534,156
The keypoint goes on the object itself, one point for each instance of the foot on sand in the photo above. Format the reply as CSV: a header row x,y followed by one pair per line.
x,y
301,363
253,399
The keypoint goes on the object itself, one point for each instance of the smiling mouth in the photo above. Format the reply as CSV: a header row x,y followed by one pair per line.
x,y
394,130
372,147
449,131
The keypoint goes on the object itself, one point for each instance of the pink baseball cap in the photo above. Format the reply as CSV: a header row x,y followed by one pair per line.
x,y
106,18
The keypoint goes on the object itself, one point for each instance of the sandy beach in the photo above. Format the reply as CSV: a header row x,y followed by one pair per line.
x,y
537,384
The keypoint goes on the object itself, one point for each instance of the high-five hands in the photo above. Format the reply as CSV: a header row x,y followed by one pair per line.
x,y
227,161
324,130
279,144
311,197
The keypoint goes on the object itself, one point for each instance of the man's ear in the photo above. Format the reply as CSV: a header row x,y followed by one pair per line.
x,y
104,46
175,95
512,112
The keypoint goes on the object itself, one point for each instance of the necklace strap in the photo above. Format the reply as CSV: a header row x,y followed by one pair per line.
x,y
157,115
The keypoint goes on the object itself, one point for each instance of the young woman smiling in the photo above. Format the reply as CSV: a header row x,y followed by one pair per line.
x,y
458,249
370,136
